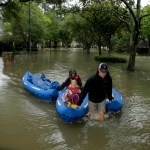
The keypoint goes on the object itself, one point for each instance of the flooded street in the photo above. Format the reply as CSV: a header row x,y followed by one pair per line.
x,y
26,123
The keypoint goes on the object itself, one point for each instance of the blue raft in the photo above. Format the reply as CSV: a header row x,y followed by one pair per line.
x,y
40,86
69,114
116,104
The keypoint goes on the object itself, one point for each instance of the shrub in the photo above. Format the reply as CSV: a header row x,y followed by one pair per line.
x,y
110,59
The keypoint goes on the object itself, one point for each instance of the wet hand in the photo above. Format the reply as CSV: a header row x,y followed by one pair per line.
x,y
111,100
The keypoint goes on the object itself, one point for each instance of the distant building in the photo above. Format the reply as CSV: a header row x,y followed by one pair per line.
x,y
75,44
143,47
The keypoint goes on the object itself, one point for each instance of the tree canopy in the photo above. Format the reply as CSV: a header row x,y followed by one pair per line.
x,y
116,24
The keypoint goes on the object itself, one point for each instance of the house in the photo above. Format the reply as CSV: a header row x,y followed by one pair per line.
x,y
143,47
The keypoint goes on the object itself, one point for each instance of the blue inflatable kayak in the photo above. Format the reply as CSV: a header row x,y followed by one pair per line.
x,y
116,104
40,86
70,114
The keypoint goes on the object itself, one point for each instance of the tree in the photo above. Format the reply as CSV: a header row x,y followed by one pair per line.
x,y
16,24
135,30
103,22
52,34
145,26
65,33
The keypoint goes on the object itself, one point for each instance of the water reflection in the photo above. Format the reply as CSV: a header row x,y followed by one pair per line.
x,y
3,78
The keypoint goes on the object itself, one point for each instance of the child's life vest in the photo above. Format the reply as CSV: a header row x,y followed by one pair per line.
x,y
73,94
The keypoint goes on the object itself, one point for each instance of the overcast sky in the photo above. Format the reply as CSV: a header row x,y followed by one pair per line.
x,y
145,2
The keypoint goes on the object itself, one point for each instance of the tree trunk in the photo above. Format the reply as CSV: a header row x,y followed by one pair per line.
x,y
99,44
50,44
56,44
88,50
135,37
131,63
99,50
148,47
135,28
110,48
87,47
109,44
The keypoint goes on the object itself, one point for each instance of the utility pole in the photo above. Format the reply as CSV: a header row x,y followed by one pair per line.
x,y
29,27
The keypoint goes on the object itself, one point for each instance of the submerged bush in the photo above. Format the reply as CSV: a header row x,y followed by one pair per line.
x,y
110,59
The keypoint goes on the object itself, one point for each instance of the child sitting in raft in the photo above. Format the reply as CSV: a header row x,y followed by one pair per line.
x,y
72,93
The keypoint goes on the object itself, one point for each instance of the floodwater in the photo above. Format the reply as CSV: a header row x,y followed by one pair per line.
x,y
26,123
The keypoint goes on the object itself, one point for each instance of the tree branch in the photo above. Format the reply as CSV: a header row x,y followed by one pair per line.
x,y
130,10
140,19
144,16
128,27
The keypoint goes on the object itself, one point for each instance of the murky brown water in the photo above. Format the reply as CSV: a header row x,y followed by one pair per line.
x,y
27,123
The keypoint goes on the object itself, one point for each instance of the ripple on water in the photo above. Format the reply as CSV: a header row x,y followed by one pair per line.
x,y
132,129
145,76
137,113
3,80
26,121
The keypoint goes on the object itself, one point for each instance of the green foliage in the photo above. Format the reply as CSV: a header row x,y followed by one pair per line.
x,y
53,29
121,41
79,28
145,23
65,33
16,25
97,23
110,59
